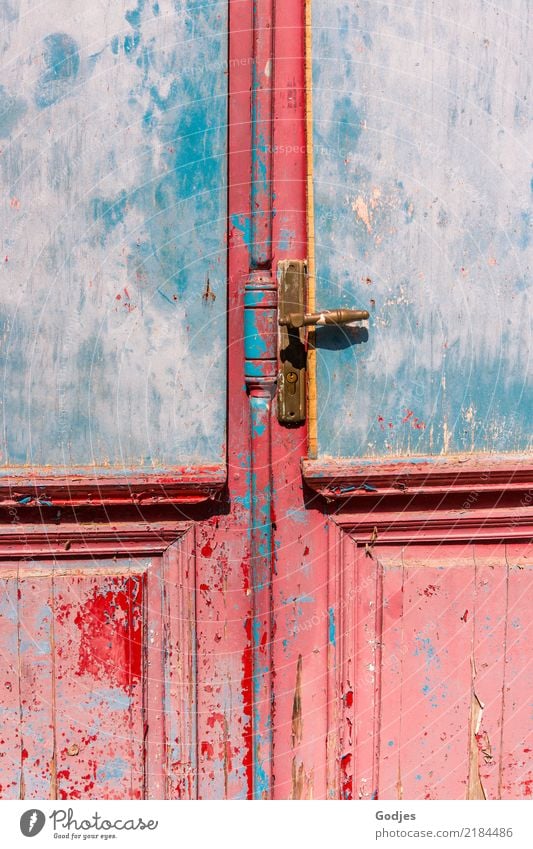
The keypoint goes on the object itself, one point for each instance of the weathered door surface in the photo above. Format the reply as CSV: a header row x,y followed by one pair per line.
x,y
198,601
114,158
113,162
421,132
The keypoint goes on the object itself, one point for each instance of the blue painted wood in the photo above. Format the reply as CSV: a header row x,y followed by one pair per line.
x,y
113,220
422,205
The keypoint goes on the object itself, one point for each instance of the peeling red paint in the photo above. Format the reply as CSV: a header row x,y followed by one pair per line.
x,y
346,777
207,750
215,717
247,693
110,626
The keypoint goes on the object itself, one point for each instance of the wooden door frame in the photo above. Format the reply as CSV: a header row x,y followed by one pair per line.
x,y
356,525
268,699
168,650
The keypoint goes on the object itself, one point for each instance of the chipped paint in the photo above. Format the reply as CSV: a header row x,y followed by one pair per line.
x,y
215,703
428,199
136,203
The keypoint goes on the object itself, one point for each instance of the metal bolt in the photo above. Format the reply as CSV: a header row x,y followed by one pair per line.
x,y
291,377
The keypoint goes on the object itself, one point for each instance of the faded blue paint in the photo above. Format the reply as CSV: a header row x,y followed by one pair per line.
x,y
111,698
254,344
8,600
113,216
297,515
12,109
286,238
112,770
243,224
110,212
422,211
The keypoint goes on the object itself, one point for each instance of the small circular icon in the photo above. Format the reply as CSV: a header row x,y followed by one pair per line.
x,y
32,822
292,377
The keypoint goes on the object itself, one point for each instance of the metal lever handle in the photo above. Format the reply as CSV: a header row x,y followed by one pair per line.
x,y
342,316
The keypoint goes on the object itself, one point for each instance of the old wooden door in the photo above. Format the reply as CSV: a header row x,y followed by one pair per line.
x,y
114,299
420,419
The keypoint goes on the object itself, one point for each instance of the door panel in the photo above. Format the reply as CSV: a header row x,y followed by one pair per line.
x,y
436,665
113,219
91,705
422,188
268,644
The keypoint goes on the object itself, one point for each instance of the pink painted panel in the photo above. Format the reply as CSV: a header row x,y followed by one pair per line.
x,y
36,663
517,736
436,672
443,670
224,666
490,609
179,646
10,743
393,652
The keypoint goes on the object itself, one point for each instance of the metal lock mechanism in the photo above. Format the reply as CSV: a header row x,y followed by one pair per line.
x,y
292,321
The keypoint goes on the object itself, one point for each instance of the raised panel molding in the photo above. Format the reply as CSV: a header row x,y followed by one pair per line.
x,y
47,560
20,541
370,644
370,479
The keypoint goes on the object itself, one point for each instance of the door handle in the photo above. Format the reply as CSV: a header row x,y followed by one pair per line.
x,y
292,321
311,319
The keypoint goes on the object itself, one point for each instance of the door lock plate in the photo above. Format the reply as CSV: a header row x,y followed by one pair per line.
x,y
292,344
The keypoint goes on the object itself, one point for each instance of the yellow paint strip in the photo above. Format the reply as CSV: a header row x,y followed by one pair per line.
x,y
311,304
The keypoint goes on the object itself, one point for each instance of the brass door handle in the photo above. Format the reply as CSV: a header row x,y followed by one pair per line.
x,y
340,316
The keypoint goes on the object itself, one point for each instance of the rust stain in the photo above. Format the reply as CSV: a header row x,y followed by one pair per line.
x,y
399,783
53,759
297,720
370,545
485,747
475,789
22,785
227,757
302,782
110,624
208,295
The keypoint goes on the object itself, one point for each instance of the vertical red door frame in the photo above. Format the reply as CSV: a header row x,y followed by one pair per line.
x,y
286,531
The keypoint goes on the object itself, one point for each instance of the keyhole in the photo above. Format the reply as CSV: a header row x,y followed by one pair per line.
x,y
292,379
